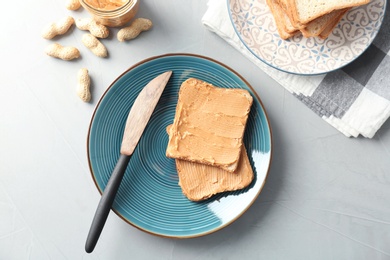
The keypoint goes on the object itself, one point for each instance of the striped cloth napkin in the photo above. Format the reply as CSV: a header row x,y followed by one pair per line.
x,y
354,99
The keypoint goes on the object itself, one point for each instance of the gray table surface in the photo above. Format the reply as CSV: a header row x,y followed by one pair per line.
x,y
326,197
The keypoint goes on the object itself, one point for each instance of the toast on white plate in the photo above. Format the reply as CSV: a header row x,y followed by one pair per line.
x,y
287,26
283,23
318,25
305,11
328,30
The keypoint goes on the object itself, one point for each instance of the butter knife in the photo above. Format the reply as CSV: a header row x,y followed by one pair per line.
x,y
138,117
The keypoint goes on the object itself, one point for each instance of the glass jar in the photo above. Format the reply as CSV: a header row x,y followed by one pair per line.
x,y
112,16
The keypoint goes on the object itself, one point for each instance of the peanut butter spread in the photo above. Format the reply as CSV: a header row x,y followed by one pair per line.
x,y
106,4
209,124
200,181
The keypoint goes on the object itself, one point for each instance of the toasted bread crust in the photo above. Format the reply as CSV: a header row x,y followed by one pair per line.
x,y
318,8
328,30
287,25
315,27
285,28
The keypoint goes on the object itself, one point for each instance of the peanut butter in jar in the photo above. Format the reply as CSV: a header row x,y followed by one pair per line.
x,y
111,13
106,5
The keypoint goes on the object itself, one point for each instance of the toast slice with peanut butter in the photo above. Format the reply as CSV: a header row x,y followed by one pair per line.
x,y
209,124
200,181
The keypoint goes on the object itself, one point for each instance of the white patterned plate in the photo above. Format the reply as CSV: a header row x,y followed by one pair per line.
x,y
255,26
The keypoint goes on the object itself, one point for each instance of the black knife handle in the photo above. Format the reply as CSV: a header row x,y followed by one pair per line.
x,y
105,203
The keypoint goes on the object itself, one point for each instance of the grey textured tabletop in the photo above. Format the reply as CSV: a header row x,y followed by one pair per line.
x,y
326,195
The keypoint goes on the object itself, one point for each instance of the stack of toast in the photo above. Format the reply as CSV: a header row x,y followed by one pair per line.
x,y
311,18
206,139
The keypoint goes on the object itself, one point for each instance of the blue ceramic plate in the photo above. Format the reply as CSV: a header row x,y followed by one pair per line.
x,y
149,197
